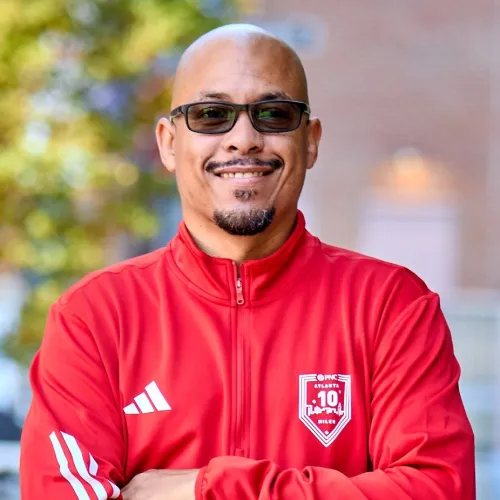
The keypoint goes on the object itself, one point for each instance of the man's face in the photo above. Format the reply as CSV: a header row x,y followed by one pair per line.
x,y
243,177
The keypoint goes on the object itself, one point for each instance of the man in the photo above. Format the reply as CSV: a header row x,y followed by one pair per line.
x,y
247,359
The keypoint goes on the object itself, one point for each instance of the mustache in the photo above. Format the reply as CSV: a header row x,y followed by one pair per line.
x,y
274,163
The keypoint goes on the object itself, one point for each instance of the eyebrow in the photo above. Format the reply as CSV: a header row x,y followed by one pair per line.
x,y
221,96
269,96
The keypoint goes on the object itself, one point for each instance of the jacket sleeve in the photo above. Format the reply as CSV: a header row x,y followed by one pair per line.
x,y
71,445
420,444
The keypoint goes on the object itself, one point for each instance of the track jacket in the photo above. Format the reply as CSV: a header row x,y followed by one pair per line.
x,y
318,374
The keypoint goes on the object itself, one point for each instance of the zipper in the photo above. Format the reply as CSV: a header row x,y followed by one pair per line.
x,y
239,358
240,299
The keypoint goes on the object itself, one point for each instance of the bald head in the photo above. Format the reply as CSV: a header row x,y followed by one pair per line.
x,y
238,49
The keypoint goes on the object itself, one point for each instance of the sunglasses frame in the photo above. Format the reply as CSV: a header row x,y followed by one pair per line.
x,y
238,108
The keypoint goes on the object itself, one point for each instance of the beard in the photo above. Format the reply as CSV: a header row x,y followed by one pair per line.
x,y
244,222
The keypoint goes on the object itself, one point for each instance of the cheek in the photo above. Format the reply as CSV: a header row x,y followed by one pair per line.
x,y
295,157
192,151
291,147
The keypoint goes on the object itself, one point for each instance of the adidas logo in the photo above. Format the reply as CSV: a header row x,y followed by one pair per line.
x,y
145,404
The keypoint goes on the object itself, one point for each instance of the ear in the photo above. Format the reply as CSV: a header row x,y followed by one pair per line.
x,y
314,131
165,138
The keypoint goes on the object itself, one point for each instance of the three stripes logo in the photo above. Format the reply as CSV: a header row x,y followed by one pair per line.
x,y
148,402
80,469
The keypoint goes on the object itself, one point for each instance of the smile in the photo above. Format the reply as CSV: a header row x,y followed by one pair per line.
x,y
241,175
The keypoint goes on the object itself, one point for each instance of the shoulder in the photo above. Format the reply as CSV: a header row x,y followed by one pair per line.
x,y
116,280
371,278
380,292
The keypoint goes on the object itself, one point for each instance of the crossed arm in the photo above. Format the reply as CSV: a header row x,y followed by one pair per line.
x,y
420,445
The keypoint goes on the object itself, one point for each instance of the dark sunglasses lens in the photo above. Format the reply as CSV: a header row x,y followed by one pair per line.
x,y
210,117
276,116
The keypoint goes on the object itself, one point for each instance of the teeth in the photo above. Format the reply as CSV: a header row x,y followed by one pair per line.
x,y
241,175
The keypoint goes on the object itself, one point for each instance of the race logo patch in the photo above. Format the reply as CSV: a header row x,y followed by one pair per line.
x,y
325,404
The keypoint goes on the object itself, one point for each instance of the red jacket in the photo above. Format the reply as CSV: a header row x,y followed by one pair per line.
x,y
320,374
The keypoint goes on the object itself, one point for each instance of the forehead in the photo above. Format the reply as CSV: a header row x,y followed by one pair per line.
x,y
243,71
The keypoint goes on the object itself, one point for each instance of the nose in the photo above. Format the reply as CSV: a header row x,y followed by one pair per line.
x,y
243,138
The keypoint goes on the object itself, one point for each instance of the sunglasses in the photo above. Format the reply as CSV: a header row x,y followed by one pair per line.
x,y
271,117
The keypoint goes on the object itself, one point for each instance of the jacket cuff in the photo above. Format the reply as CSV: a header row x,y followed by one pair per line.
x,y
199,484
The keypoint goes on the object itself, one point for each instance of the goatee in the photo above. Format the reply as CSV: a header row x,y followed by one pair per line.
x,y
244,222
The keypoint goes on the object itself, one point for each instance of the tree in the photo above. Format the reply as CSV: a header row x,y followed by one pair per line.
x,y
82,83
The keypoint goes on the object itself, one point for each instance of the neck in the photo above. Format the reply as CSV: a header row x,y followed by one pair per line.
x,y
215,242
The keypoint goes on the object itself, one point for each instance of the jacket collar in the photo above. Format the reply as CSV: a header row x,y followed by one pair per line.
x,y
262,280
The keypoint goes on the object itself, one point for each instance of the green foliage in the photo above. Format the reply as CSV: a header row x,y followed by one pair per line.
x,y
81,86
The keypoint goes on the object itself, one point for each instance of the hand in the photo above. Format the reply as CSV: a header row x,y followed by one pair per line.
x,y
162,485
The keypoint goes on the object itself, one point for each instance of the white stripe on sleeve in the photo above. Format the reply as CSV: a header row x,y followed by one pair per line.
x,y
93,466
64,469
93,470
77,455
116,490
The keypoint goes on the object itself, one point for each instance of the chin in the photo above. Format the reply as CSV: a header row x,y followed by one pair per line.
x,y
244,221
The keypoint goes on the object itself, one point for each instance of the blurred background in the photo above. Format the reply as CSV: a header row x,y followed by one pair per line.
x,y
409,167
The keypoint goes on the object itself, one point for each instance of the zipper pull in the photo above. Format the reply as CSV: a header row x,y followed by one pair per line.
x,y
240,300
